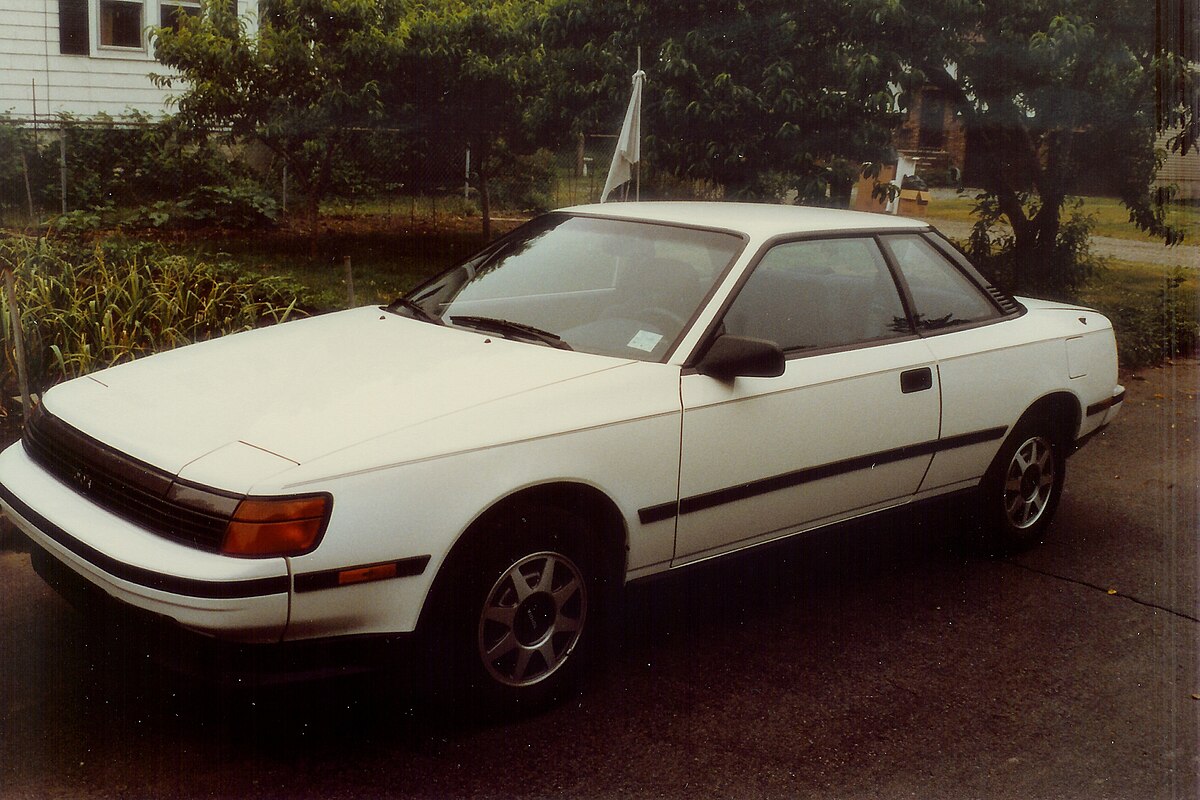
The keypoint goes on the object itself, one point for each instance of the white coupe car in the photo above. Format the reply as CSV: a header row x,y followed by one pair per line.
x,y
604,394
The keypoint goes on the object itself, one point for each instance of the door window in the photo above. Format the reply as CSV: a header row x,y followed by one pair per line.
x,y
818,294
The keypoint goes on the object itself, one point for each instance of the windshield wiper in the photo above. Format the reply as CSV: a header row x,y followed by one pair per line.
x,y
509,328
417,310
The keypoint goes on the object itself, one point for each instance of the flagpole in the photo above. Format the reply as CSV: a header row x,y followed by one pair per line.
x,y
637,167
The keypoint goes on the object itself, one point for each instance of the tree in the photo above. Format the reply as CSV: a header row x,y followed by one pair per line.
x,y
758,96
470,73
1045,91
297,83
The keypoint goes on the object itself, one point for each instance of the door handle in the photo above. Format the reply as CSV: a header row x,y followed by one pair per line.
x,y
916,380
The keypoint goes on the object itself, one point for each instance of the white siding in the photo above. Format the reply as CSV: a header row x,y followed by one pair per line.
x,y
108,81
1182,171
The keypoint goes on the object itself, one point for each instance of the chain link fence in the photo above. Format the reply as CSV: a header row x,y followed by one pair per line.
x,y
139,172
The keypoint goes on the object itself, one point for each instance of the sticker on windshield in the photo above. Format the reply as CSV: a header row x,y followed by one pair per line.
x,y
645,340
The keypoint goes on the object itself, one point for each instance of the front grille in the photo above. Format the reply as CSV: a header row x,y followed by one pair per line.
x,y
139,492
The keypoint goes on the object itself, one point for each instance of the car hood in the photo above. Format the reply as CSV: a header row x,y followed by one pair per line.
x,y
298,391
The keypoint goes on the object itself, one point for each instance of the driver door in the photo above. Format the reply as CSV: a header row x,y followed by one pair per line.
x,y
849,427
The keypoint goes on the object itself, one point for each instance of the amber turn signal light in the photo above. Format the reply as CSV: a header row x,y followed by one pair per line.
x,y
276,526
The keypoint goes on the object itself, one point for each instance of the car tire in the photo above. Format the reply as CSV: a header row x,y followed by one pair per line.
x,y
1022,487
519,612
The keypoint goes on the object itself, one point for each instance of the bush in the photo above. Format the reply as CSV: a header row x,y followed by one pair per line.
x,y
664,185
1056,270
521,182
130,173
242,205
84,309
1152,328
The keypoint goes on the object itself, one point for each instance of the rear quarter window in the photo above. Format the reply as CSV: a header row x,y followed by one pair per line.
x,y
943,297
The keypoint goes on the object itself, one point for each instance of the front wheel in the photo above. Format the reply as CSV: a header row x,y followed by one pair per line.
x,y
532,619
518,611
1021,489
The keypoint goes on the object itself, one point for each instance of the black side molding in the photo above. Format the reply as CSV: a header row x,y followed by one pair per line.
x,y
744,491
1105,405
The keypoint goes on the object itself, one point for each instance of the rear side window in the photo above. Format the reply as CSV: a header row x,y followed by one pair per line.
x,y
942,296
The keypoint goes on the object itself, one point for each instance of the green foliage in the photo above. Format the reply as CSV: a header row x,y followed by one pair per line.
x,y
242,205
1065,266
669,186
130,164
1162,325
84,309
471,71
1046,92
308,73
19,152
131,174
524,183
78,222
747,94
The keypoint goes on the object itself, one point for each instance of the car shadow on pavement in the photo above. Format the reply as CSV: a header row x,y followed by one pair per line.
x,y
680,623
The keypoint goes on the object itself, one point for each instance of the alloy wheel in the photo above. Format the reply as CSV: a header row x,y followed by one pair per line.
x,y
532,619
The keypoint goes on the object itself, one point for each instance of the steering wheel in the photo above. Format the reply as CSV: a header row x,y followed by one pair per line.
x,y
657,315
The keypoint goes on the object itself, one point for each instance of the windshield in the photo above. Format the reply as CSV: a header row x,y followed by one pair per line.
x,y
610,287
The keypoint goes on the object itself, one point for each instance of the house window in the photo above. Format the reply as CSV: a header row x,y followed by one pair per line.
x,y
121,23
932,135
174,12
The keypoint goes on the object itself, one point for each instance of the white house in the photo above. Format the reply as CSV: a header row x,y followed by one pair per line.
x,y
1182,172
84,57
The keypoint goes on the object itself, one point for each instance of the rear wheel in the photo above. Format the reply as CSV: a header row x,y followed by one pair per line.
x,y
1022,487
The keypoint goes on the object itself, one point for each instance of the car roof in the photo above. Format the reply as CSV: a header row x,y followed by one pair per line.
x,y
757,220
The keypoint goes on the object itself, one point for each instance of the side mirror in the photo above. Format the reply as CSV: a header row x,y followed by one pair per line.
x,y
732,357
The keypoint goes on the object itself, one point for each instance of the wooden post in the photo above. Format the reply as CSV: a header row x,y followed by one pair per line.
x,y
62,166
28,190
18,343
349,281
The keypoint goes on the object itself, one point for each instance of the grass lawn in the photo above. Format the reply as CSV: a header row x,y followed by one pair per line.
x,y
1112,218
1154,309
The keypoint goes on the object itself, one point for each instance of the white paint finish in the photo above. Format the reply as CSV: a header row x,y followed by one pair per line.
x,y
423,507
307,388
1077,357
235,464
825,409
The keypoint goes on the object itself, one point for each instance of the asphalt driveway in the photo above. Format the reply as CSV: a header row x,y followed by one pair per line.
x,y
882,660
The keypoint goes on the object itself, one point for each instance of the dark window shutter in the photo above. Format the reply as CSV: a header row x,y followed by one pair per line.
x,y
73,28
233,7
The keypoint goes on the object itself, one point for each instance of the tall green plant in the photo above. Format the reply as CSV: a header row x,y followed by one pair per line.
x,y
86,309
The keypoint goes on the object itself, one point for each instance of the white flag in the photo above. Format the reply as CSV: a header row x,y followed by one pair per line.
x,y
629,143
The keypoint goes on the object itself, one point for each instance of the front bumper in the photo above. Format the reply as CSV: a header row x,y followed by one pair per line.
x,y
237,599
129,630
